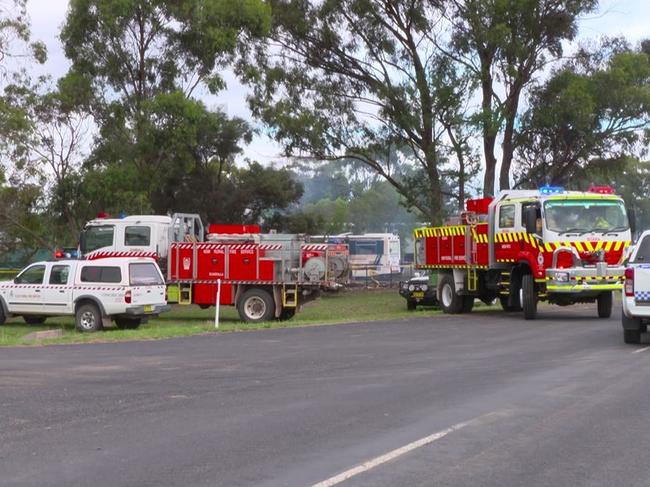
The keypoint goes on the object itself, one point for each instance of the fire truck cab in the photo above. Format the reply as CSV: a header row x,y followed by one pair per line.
x,y
526,246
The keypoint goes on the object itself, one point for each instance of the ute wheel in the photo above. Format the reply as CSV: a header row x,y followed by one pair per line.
x,y
204,306
88,318
34,320
287,314
450,301
256,305
411,304
3,318
605,303
529,297
128,323
468,304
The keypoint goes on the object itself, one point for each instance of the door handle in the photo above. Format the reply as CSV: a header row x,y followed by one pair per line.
x,y
61,291
37,290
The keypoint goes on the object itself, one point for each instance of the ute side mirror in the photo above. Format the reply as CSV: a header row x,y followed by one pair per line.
x,y
530,219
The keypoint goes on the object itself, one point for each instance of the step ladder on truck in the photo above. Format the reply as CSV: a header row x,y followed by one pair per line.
x,y
527,246
264,275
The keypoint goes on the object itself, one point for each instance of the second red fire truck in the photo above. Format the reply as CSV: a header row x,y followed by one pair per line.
x,y
523,247
265,275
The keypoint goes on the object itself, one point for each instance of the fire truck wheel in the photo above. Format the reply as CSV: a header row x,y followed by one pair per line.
x,y
256,305
529,297
88,318
3,318
450,301
127,323
34,320
605,302
287,314
468,304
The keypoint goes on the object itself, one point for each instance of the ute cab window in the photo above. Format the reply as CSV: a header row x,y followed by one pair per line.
x,y
59,274
507,216
95,237
31,275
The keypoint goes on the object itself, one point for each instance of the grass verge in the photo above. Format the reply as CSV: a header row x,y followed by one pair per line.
x,y
343,307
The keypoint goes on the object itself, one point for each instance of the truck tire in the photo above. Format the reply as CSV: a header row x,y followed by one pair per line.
x,y
88,318
34,320
468,304
3,318
256,305
529,297
605,303
450,301
411,304
128,323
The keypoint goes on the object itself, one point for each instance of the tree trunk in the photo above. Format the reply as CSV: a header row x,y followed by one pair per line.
x,y
508,141
435,193
489,134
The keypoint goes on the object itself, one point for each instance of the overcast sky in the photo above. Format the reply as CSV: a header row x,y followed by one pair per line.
x,y
630,18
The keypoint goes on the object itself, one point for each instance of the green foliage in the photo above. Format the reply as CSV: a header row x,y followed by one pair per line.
x,y
504,43
597,107
15,34
356,79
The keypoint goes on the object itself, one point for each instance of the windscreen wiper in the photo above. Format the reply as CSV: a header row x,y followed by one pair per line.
x,y
579,231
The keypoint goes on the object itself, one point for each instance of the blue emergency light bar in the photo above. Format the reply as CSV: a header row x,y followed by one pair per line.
x,y
551,190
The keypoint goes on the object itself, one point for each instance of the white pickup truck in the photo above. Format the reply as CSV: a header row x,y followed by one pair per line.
x,y
636,294
126,290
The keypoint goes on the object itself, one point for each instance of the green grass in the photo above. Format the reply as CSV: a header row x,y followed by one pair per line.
x,y
343,307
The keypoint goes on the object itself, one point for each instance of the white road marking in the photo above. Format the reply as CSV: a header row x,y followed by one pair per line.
x,y
364,467
641,350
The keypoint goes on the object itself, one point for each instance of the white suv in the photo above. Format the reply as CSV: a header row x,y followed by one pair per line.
x,y
94,291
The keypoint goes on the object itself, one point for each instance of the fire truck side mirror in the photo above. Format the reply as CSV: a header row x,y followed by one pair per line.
x,y
631,215
530,219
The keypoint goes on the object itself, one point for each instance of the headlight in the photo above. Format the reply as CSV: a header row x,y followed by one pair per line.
x,y
424,287
562,276
411,287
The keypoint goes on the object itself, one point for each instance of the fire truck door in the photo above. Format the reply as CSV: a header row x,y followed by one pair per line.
x,y
506,244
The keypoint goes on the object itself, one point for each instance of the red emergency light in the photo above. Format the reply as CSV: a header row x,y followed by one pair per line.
x,y
102,214
601,189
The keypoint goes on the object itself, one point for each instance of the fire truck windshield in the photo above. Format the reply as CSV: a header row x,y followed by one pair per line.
x,y
95,237
584,216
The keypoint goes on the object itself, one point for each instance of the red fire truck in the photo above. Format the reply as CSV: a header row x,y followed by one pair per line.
x,y
265,275
522,247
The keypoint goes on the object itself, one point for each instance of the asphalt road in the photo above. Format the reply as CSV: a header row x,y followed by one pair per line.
x,y
495,401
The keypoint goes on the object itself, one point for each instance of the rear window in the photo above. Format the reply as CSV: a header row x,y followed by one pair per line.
x,y
144,274
101,274
643,254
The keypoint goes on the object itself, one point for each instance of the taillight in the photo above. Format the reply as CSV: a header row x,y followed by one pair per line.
x,y
127,297
629,281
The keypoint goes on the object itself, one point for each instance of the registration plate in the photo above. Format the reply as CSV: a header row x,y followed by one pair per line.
x,y
148,308
418,294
